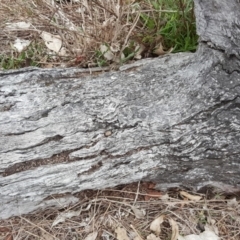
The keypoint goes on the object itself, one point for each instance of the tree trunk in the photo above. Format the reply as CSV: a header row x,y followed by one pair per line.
x,y
173,120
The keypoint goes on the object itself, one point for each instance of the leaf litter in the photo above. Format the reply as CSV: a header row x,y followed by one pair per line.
x,y
111,214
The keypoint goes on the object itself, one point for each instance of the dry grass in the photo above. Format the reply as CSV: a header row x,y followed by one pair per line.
x,y
102,212
128,29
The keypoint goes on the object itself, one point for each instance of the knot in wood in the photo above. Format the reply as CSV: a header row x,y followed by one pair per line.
x,y
108,133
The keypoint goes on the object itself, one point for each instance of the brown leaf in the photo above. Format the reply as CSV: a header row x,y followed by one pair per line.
x,y
91,236
139,213
159,50
155,226
175,230
190,196
121,234
152,237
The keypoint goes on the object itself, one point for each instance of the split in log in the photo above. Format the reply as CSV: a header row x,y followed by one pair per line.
x,y
172,120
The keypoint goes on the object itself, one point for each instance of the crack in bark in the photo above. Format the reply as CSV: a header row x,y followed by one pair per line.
x,y
64,157
208,111
56,158
45,141
131,152
114,125
92,169
31,164
228,71
22,133
40,114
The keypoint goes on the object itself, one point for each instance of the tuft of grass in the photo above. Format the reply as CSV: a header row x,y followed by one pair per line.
x,y
28,57
173,22
180,28
132,29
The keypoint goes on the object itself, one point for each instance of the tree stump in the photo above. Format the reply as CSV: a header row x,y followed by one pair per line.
x,y
172,120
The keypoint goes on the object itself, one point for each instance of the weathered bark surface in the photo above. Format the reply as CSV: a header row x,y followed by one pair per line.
x,y
175,120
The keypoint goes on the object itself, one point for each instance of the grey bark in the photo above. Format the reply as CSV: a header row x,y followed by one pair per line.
x,y
173,120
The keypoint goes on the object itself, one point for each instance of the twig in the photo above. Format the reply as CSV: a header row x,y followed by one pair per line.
x,y
136,196
136,232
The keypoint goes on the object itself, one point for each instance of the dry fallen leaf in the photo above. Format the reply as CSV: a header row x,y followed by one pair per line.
x,y
232,203
107,53
21,44
190,196
53,42
175,230
155,225
63,216
91,236
159,50
121,234
138,212
139,49
137,238
211,227
164,197
18,25
206,235
152,237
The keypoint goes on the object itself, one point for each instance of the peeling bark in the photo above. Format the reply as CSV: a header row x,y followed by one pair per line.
x,y
173,120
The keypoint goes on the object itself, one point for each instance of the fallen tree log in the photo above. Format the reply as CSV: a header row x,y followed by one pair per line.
x,y
172,120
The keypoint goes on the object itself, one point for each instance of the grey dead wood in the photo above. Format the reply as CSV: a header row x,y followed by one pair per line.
x,y
174,120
